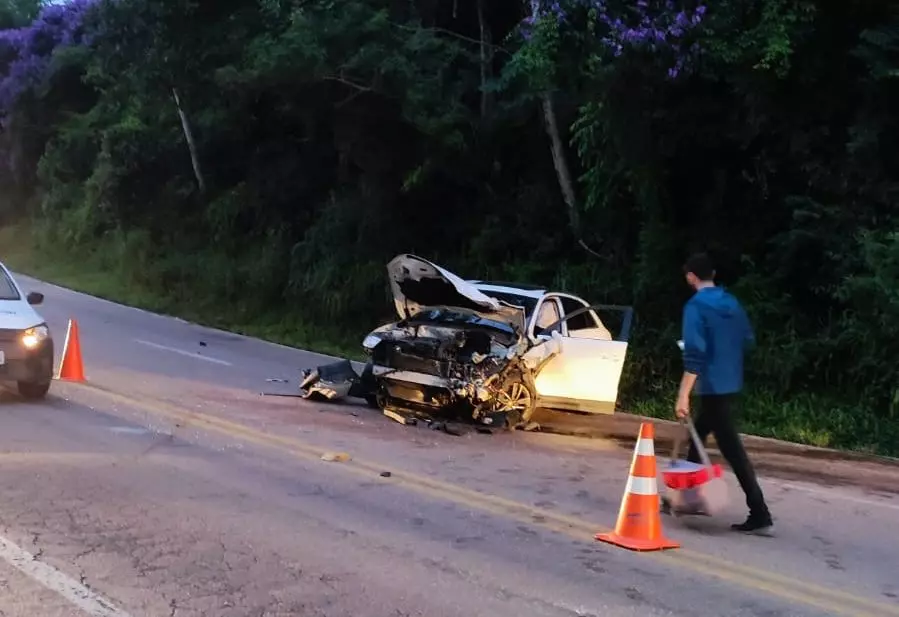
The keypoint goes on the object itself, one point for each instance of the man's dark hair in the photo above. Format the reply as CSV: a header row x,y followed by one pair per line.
x,y
701,265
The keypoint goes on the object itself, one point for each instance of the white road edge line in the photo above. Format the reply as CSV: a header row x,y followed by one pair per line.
x,y
182,352
51,578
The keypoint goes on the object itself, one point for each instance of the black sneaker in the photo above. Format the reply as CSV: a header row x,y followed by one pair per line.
x,y
761,525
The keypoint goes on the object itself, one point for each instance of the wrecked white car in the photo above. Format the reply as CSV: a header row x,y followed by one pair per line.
x,y
490,352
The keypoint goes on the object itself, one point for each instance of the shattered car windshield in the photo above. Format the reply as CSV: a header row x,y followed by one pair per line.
x,y
526,302
456,318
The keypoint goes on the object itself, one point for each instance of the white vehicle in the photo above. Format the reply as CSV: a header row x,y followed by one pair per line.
x,y
498,350
26,347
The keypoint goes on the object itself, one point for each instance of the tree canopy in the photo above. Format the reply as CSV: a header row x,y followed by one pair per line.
x,y
275,154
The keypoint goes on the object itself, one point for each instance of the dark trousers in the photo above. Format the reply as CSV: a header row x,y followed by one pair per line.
x,y
716,416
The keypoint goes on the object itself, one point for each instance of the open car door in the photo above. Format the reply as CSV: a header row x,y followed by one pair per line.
x,y
585,373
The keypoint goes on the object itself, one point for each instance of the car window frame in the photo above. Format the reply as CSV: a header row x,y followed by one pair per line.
x,y
598,323
533,323
12,284
627,323
590,313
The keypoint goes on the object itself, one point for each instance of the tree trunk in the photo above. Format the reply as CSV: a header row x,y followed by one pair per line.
x,y
563,172
561,162
486,60
191,145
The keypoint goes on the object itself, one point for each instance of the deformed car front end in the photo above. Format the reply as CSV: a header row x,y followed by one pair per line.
x,y
454,350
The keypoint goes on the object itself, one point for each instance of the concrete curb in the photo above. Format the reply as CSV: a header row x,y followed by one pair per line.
x,y
623,426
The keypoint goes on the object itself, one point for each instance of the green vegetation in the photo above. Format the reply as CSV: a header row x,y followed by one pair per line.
x,y
270,156
97,270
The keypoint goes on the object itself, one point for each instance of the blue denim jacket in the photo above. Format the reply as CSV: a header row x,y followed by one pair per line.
x,y
716,335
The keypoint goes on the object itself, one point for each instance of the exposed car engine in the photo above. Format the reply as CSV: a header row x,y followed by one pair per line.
x,y
469,365
454,351
441,356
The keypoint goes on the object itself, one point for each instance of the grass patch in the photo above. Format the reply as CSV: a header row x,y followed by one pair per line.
x,y
90,273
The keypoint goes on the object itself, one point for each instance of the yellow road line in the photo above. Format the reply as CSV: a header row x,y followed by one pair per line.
x,y
12,458
832,601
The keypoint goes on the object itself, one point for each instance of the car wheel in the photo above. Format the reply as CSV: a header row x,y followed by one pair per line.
x,y
370,385
378,398
33,391
516,399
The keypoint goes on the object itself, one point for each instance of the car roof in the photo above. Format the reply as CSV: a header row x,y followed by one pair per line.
x,y
521,289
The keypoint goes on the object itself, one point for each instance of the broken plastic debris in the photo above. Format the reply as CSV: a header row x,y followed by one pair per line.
x,y
398,417
446,428
336,457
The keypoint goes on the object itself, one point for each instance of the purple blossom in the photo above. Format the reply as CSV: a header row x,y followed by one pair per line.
x,y
644,28
25,53
541,9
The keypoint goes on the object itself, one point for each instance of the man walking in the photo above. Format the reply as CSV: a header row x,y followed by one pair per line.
x,y
716,335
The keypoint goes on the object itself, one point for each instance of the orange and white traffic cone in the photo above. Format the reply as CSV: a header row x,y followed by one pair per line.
x,y
71,368
639,526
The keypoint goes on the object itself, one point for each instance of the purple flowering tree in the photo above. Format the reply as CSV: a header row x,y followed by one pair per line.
x,y
29,60
560,34
26,53
621,27
666,28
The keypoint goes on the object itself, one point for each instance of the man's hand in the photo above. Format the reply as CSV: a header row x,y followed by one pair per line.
x,y
682,407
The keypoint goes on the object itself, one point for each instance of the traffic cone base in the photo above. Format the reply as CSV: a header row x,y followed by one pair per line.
x,y
634,544
639,526
71,368
637,545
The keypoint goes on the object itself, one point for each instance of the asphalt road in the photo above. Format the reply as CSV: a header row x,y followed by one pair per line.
x,y
168,487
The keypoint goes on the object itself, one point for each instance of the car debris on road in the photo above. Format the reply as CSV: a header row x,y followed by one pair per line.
x,y
335,381
336,457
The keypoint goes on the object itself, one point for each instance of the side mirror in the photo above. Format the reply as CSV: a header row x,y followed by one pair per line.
x,y
34,298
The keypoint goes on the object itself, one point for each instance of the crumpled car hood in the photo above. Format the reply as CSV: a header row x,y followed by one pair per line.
x,y
418,284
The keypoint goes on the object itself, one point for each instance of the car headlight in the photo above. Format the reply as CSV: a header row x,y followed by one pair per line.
x,y
371,341
32,337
